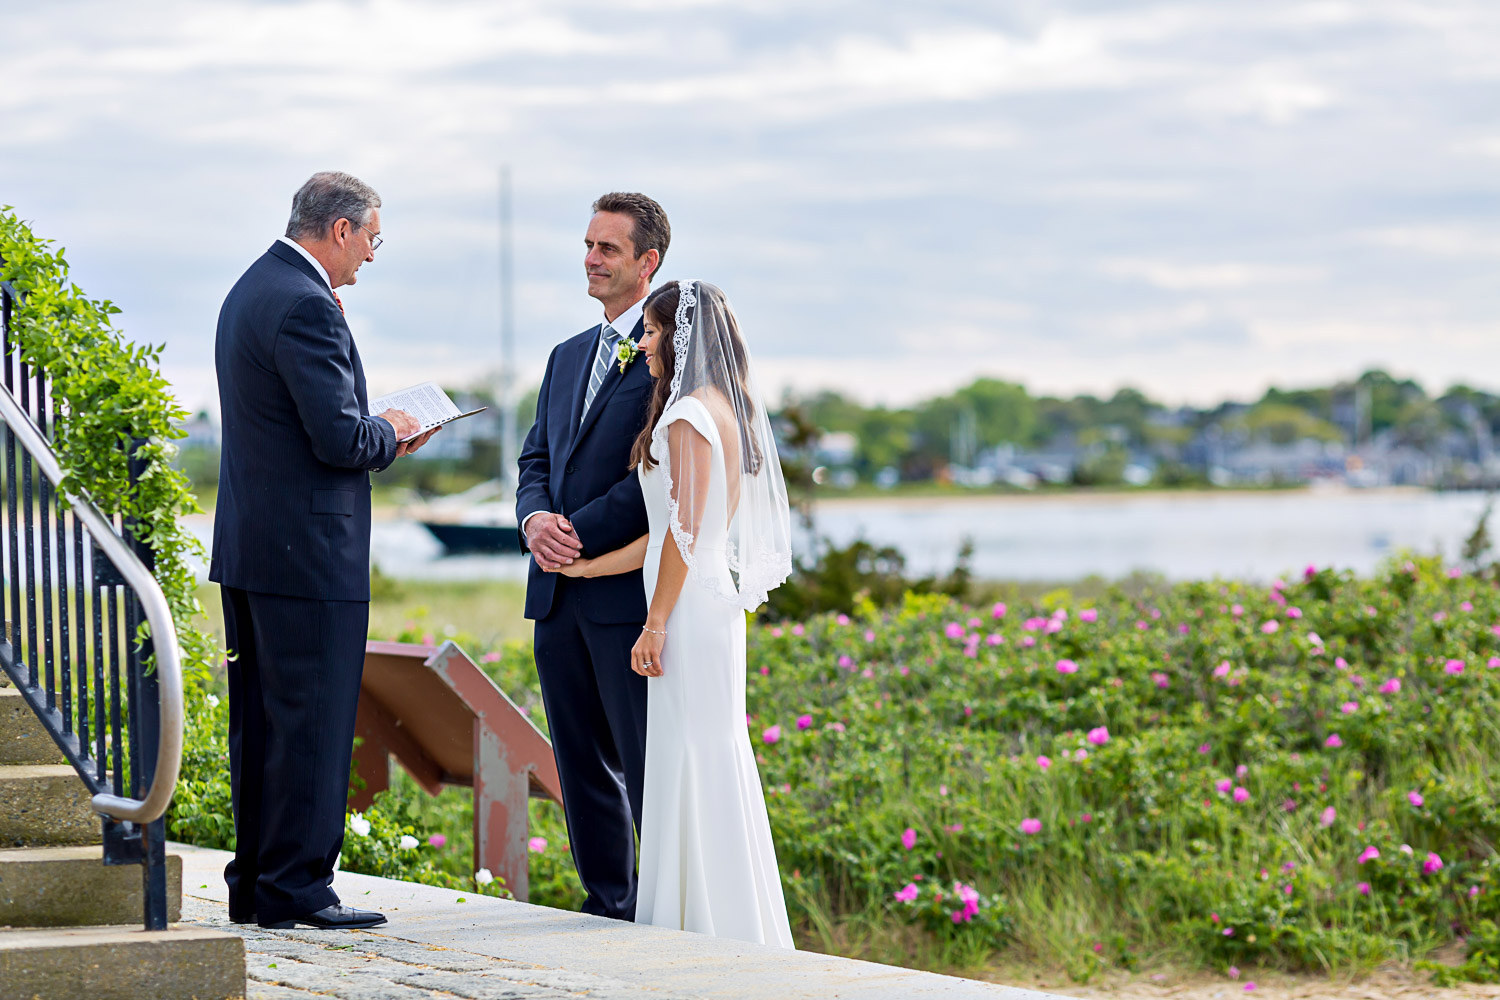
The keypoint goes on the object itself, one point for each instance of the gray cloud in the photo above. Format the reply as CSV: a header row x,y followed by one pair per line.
x,y
1197,198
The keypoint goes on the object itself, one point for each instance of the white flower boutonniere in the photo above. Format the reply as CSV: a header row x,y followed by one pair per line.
x,y
626,352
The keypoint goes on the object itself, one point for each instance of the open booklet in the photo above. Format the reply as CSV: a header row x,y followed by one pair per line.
x,y
427,402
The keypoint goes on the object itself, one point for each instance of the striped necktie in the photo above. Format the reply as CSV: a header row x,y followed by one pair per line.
x,y
338,301
608,339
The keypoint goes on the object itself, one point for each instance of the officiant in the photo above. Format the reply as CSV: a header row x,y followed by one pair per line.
x,y
291,551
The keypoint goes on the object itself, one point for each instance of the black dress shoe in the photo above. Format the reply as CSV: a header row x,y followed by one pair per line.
x,y
336,917
242,920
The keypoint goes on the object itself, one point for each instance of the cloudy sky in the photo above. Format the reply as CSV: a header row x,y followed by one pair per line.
x,y
1198,199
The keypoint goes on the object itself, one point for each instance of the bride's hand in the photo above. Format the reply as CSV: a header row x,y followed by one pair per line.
x,y
578,567
645,656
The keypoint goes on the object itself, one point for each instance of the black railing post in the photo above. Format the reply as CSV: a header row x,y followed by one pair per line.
x,y
148,712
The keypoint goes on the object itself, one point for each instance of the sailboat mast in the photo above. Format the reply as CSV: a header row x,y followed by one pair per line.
x,y
507,338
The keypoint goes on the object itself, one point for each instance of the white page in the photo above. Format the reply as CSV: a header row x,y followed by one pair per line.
x,y
427,402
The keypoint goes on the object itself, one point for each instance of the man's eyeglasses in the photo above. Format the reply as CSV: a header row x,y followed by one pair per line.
x,y
375,240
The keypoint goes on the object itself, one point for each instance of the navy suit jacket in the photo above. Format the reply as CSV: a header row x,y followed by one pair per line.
x,y
582,471
293,514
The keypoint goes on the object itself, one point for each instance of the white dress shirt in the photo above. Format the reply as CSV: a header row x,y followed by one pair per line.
x,y
624,325
310,259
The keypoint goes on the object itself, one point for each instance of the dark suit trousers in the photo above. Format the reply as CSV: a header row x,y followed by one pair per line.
x,y
293,692
596,713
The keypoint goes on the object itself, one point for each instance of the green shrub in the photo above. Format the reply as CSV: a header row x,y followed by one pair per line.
x,y
111,394
1203,774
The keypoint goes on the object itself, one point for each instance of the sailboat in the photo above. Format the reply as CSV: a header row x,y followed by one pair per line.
x,y
482,519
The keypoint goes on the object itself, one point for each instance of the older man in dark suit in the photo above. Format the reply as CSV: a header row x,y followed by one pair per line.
x,y
291,551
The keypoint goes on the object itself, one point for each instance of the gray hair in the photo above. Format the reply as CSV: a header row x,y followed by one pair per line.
x,y
327,197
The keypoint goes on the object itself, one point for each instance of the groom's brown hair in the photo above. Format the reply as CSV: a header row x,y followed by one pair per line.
x,y
651,230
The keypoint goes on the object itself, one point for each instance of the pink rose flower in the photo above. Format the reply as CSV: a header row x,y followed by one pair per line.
x,y
1241,794
1098,736
1329,815
1294,612
1391,686
998,611
1453,667
1364,888
772,735
437,840
1044,762
1223,785
1333,742
1415,798
907,893
1349,707
1432,864
804,722
908,838
1031,826
537,845
1368,854
1160,679
1271,626
843,619
1067,667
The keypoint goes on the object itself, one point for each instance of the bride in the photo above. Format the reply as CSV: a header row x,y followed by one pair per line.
x,y
719,541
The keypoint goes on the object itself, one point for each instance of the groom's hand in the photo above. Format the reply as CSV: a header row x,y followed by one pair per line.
x,y
551,539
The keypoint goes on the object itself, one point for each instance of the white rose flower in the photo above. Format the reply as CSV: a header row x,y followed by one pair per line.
x,y
213,700
408,842
483,876
359,825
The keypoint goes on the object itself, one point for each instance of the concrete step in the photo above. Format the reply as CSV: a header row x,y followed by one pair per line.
x,y
22,738
45,805
111,963
71,887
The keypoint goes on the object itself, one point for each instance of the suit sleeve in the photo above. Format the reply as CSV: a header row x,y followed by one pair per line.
x,y
534,465
312,356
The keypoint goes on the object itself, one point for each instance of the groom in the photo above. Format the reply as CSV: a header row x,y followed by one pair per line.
x,y
577,495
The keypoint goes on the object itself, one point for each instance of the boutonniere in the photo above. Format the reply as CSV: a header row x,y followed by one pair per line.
x,y
626,352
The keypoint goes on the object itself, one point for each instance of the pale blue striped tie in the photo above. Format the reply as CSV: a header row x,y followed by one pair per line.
x,y
608,340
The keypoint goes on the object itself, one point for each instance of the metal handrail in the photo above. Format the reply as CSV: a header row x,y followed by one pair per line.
x,y
168,656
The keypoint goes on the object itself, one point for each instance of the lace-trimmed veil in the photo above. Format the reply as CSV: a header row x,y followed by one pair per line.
x,y
713,366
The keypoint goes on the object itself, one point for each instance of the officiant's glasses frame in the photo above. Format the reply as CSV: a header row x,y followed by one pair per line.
x,y
375,239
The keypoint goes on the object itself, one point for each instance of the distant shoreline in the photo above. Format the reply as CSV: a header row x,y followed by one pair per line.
x,y
1100,497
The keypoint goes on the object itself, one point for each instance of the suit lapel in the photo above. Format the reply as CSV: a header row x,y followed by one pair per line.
x,y
612,380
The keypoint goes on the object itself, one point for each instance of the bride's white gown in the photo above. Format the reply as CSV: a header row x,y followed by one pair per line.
x,y
707,861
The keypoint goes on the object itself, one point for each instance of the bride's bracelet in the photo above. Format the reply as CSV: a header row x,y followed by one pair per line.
x,y
651,630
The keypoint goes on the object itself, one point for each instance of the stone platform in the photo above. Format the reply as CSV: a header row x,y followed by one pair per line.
x,y
487,949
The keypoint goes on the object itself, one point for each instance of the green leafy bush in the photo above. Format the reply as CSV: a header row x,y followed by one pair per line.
x,y
111,394
1207,774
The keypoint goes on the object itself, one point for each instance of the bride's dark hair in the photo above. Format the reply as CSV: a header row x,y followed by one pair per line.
x,y
661,307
